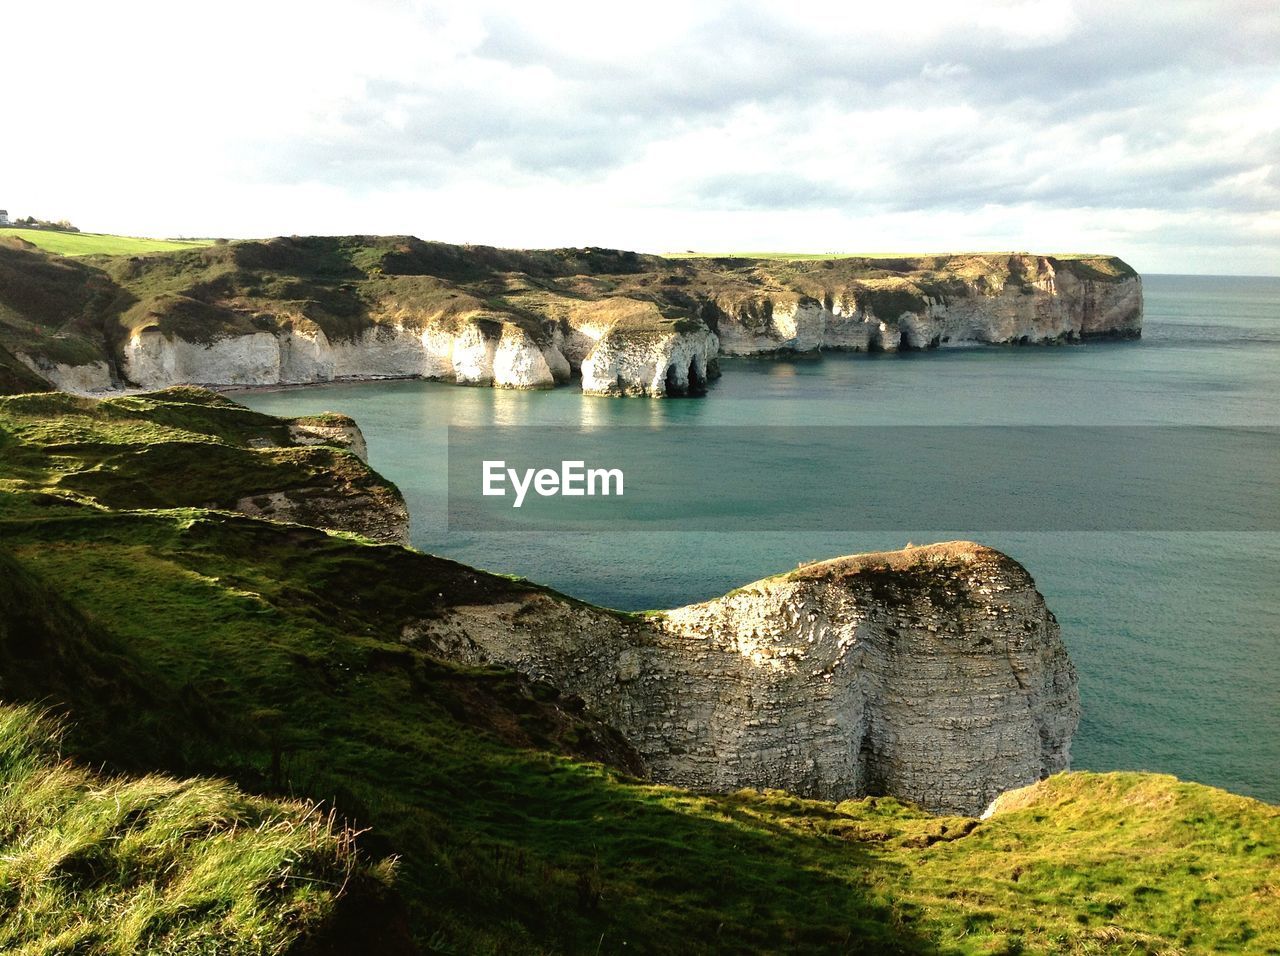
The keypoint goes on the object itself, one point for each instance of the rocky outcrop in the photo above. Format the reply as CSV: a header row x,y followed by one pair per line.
x,y
330,429
344,496
299,310
190,448
90,378
1029,300
479,352
934,674
372,513
641,352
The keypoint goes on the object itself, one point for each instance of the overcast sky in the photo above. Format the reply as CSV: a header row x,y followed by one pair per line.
x,y
1149,130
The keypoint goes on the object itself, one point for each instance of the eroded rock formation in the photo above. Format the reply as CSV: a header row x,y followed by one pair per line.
x,y
478,351
640,352
343,496
319,309
934,674
842,305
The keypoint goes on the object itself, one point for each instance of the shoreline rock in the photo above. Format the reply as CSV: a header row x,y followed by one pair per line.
x,y
934,674
309,310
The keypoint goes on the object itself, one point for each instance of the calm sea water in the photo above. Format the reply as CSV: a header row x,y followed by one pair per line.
x,y
1176,635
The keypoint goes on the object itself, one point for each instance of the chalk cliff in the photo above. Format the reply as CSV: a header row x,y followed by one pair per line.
x,y
934,674
928,303
628,347
299,310
474,350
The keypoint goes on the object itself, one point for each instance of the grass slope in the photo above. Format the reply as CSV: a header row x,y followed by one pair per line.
x,y
512,840
123,865
126,451
98,244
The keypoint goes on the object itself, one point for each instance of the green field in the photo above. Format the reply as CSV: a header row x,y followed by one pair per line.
x,y
94,243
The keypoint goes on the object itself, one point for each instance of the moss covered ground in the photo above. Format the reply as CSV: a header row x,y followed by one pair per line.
x,y
181,447
189,641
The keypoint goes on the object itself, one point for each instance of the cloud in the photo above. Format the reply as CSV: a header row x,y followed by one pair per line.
x,y
589,123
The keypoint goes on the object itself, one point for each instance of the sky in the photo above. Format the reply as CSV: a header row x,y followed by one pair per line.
x,y
1146,130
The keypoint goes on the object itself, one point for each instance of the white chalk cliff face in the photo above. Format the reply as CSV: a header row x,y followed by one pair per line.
x,y
91,378
1044,305
627,351
934,674
298,310
476,353
641,353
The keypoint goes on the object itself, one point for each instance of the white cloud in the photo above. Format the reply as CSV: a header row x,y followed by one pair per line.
x,y
1151,133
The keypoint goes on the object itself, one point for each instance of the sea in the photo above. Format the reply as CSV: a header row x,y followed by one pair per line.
x,y
1175,633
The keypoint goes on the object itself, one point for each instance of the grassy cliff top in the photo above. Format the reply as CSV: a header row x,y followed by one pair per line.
x,y
98,244
921,257
281,658
77,310
183,447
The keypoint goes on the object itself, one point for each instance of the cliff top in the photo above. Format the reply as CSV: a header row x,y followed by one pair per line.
x,y
74,311
196,642
941,553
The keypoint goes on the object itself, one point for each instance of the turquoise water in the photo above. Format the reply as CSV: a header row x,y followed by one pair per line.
x,y
1176,635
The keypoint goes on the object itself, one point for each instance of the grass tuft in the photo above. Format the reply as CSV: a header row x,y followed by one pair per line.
x,y
152,864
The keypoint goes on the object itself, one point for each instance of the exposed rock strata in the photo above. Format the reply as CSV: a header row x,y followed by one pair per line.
x,y
640,355
934,674
1035,301
640,352
320,309
90,378
373,514
330,429
476,353
355,499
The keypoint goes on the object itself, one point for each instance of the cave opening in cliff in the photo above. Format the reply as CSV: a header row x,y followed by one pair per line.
x,y
697,382
673,381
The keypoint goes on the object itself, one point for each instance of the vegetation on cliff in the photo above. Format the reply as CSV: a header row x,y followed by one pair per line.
x,y
75,243
134,864
191,641
74,311
181,447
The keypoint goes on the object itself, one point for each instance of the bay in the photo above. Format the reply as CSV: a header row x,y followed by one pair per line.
x,y
1176,635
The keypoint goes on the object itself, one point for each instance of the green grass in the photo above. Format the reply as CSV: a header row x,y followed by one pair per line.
x,y
281,658
151,864
125,451
99,244
518,850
